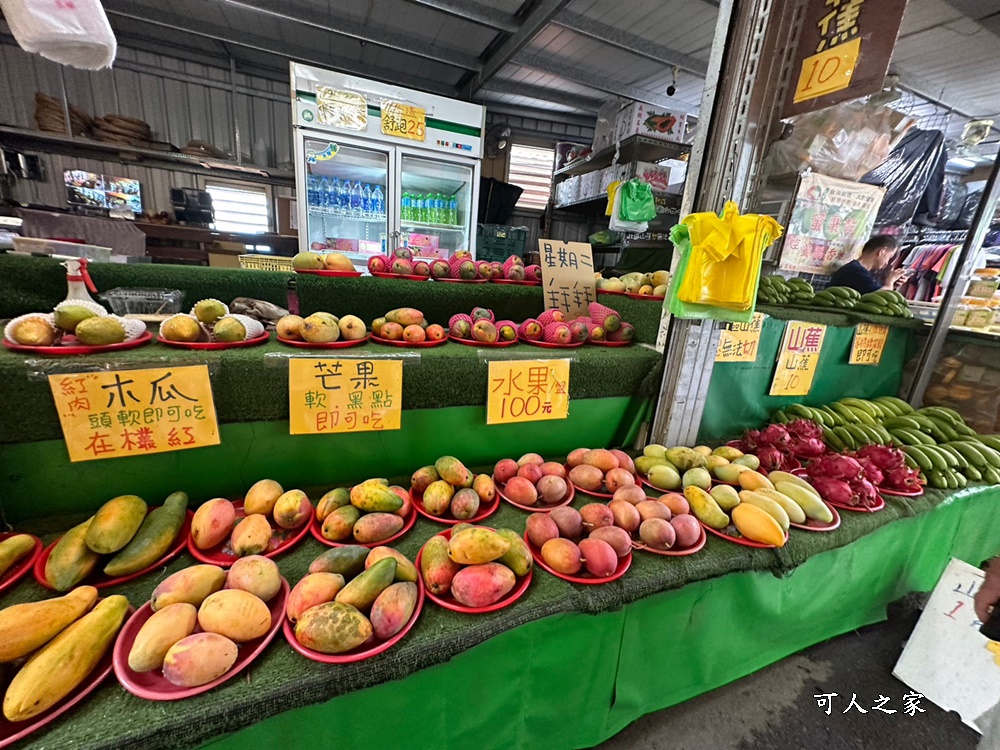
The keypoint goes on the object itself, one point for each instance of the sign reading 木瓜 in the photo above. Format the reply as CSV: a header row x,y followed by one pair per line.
x,y
135,412
868,344
738,342
797,358
344,395
567,276
527,390
404,120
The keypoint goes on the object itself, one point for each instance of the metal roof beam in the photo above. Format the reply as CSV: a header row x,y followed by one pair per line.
x,y
474,12
565,98
363,32
630,42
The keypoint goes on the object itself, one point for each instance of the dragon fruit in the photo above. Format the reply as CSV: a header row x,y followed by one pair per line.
x,y
872,472
834,490
771,458
882,456
751,441
836,466
804,428
902,478
866,491
775,435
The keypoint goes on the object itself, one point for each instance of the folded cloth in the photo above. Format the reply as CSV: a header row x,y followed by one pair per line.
x,y
73,33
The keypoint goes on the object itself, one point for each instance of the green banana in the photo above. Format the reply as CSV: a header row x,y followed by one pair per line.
x,y
992,441
992,457
991,475
961,479
973,474
834,417
845,437
779,417
832,441
940,460
904,407
872,410
937,480
860,436
971,453
949,415
958,459
910,461
890,409
905,422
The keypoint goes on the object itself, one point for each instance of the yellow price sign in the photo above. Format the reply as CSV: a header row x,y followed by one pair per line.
x,y
344,395
738,342
868,344
830,70
797,358
404,120
135,412
527,390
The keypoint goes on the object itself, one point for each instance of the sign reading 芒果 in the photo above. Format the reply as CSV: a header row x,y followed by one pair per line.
x,y
527,390
567,276
797,358
738,342
344,395
135,412
868,344
404,120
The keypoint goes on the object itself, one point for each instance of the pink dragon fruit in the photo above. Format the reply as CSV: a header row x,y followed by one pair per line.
x,y
872,472
866,492
836,466
883,456
804,428
807,447
771,458
902,478
834,490
751,440
776,435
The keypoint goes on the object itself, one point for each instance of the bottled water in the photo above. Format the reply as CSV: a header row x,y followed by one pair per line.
x,y
325,196
334,200
366,200
340,196
312,190
357,198
378,201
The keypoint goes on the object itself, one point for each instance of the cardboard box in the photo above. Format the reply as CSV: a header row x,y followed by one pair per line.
x,y
657,175
288,218
651,122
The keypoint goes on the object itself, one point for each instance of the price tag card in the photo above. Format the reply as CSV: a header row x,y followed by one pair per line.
x,y
527,390
567,276
344,395
830,70
403,120
869,342
797,358
738,341
134,412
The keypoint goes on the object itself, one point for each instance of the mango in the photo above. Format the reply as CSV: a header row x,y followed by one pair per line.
x,y
251,536
71,560
619,539
292,509
664,477
521,491
375,498
705,508
339,525
453,471
727,452
155,536
347,561
465,504
568,520
698,478
406,571
754,480
713,462
587,477
644,463
540,528
727,497
632,495
654,451
374,527
436,567
530,459
749,460
657,533
238,615
13,549
562,555
595,515
599,557
652,509
314,589
199,659
332,628
575,458
256,574
687,530
617,478
27,627
461,527
551,489
758,525
482,585
484,487
159,633
437,497
625,515
261,497
192,585
624,460
810,503
393,609
783,476
331,501
518,557
795,512
404,495
602,459
405,316
477,545
362,592
115,523
677,503
213,523
729,473
685,458
422,478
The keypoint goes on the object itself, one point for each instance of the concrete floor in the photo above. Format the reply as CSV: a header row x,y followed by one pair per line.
x,y
774,709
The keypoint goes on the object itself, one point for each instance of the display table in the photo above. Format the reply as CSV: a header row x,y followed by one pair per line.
x,y
672,628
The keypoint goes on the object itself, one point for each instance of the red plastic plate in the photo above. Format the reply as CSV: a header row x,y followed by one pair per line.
x,y
334,274
696,547
813,525
366,650
98,580
407,344
633,295
18,570
540,508
316,528
609,343
624,563
282,540
485,511
900,493
155,687
71,348
448,601
326,345
463,281
482,344
547,345
215,344
516,282
406,276
731,537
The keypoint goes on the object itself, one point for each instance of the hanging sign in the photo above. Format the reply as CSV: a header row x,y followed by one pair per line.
x,y
738,342
344,395
567,276
869,342
527,390
135,412
341,109
797,358
403,120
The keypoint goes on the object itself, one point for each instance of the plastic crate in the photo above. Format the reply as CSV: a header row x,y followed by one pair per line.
x,y
497,242
266,262
125,301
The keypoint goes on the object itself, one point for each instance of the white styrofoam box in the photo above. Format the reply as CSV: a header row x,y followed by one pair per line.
x,y
590,184
657,175
678,173
572,189
607,177
651,122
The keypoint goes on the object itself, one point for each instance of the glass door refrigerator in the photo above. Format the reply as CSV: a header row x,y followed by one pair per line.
x,y
378,166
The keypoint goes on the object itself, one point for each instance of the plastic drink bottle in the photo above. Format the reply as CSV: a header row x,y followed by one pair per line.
x,y
421,209
406,207
357,197
335,198
378,201
324,192
453,210
312,191
366,200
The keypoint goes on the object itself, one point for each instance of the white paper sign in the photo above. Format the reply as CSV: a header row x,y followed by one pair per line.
x,y
947,658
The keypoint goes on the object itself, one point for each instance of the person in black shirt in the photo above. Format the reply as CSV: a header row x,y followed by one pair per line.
x,y
875,255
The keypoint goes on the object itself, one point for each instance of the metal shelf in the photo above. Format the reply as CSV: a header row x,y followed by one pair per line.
x,y
322,211
634,148
430,225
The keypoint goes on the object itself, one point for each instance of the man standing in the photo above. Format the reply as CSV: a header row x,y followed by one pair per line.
x,y
875,255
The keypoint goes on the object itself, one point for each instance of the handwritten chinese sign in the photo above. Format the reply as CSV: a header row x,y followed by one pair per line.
x,y
827,71
797,358
567,276
403,120
738,341
134,412
344,395
527,390
869,342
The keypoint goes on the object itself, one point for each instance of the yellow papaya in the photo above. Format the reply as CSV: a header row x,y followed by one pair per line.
x,y
114,525
13,548
71,560
27,627
153,539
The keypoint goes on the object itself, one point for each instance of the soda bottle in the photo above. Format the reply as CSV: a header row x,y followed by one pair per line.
x,y
404,207
378,202
421,210
453,210
442,209
366,200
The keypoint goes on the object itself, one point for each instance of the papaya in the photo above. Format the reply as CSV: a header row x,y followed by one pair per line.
x,y
236,614
477,545
59,668
347,561
115,523
251,536
336,498
14,548
453,471
393,609
27,627
71,560
518,557
340,523
159,633
192,585
153,539
361,592
374,527
405,570
371,497
436,567
199,659
332,628
311,591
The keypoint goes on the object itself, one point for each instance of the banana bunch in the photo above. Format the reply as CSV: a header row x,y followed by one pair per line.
x,y
777,290
847,424
884,302
841,297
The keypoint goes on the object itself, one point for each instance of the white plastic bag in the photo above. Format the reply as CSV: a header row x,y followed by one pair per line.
x,y
617,224
70,32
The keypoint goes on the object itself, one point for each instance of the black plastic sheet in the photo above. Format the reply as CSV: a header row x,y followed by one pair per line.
x,y
913,176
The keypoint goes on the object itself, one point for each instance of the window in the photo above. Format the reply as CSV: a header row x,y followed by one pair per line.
x,y
531,169
240,207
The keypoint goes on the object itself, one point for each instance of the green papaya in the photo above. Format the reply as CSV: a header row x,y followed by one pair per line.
x,y
153,539
115,524
71,560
